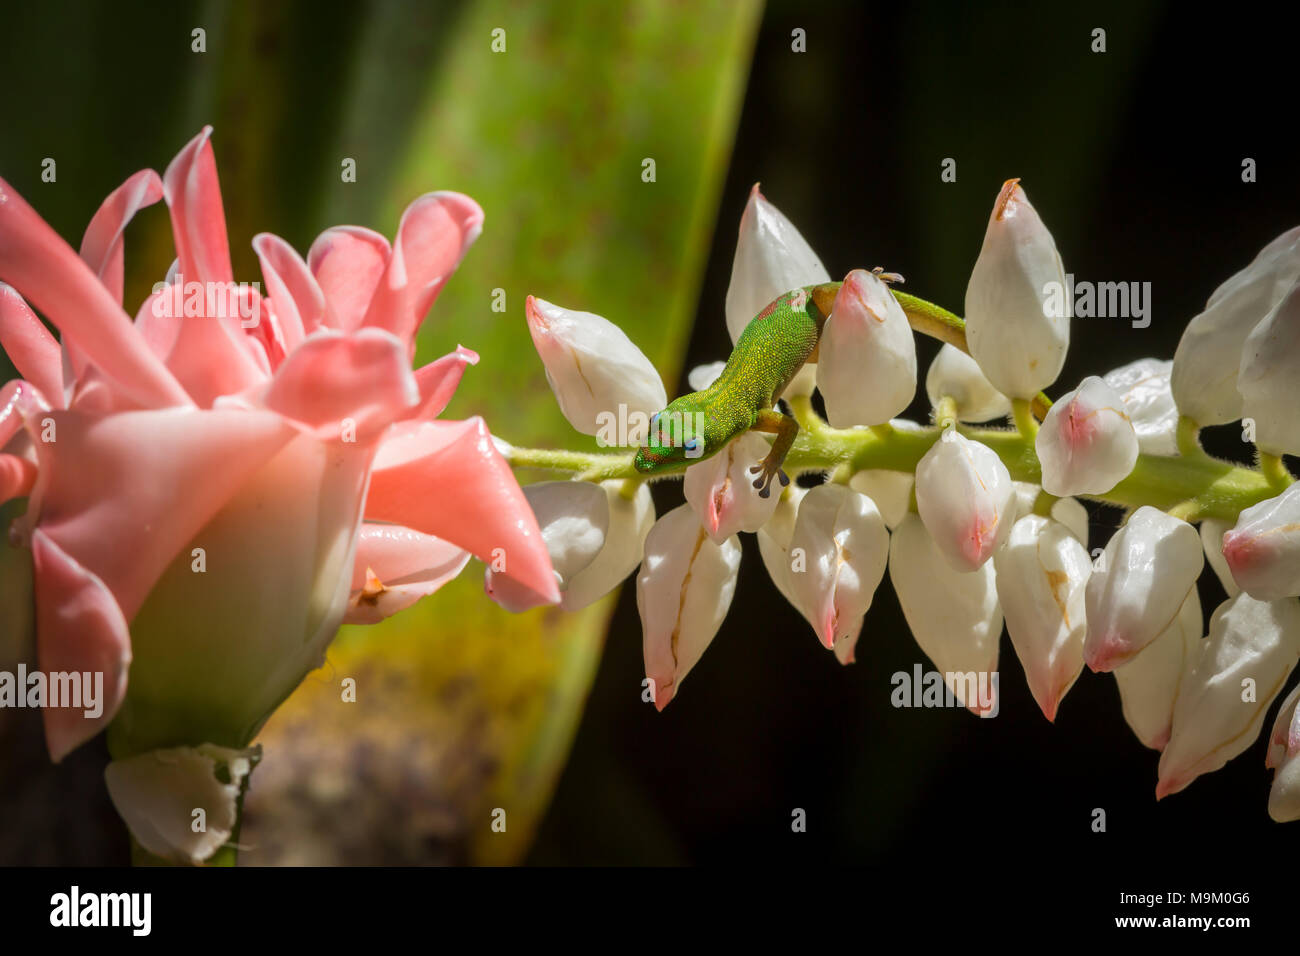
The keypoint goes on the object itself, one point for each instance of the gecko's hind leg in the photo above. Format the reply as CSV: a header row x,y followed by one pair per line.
x,y
785,428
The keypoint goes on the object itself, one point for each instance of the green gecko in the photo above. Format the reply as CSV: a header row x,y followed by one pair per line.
x,y
776,344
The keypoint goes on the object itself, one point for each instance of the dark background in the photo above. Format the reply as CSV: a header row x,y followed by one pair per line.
x,y
1133,159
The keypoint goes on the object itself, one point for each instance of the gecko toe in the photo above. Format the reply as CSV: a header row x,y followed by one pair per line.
x,y
784,478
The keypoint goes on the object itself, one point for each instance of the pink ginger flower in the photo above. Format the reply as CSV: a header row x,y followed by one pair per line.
x,y
210,498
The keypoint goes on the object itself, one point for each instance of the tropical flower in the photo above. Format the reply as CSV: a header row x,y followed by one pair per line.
x,y
216,485
965,545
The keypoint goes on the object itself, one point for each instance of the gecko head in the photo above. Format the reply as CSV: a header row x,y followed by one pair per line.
x,y
681,434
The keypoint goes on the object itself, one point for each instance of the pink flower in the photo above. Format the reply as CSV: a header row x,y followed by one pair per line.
x,y
212,494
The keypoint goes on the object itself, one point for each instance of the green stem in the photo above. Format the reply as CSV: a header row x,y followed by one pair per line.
x,y
1219,489
1191,484
1275,470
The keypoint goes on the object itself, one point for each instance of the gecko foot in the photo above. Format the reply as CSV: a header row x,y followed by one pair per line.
x,y
764,480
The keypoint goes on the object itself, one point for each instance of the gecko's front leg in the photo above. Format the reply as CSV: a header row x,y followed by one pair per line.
x,y
785,428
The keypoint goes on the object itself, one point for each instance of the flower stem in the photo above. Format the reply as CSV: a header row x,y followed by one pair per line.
x,y
1191,483
1275,470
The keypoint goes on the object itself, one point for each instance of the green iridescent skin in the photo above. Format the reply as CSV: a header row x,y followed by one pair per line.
x,y
773,348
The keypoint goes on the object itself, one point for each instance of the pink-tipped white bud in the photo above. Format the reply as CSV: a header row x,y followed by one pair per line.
x,y
1149,401
866,365
1087,444
1270,368
1241,668
1145,573
838,549
630,520
1284,759
598,375
954,374
1148,684
958,630
682,593
1017,309
1262,551
721,489
966,499
1207,363
574,518
771,259
1041,575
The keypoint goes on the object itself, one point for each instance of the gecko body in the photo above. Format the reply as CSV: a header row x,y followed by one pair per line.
x,y
776,344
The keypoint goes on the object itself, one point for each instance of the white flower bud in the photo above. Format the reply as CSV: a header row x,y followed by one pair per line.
x,y
1147,569
1207,363
1071,513
702,376
1149,401
1148,684
956,375
954,616
1068,511
630,520
774,542
1087,444
574,518
682,594
1283,751
771,259
1262,551
966,499
156,793
721,489
890,490
1212,532
1041,575
845,548
1270,368
866,365
1242,666
1017,310
593,367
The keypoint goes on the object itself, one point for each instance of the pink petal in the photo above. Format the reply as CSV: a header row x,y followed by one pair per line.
x,y
198,221
446,478
56,281
17,475
361,376
210,356
439,379
348,262
400,566
29,345
158,477
101,246
433,236
81,628
20,403
158,326
299,302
